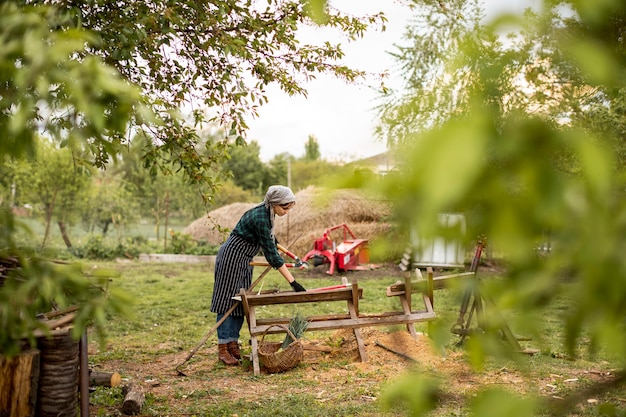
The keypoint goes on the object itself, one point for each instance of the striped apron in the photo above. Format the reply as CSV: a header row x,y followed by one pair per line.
x,y
232,272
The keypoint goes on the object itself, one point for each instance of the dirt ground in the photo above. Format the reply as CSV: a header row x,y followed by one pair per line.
x,y
203,372
326,382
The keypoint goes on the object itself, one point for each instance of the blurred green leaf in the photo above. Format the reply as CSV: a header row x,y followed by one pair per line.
x,y
498,403
316,9
413,393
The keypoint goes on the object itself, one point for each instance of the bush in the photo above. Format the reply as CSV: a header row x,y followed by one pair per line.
x,y
183,243
97,248
204,248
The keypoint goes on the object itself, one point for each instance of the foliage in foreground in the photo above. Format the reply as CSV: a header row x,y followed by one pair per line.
x,y
526,139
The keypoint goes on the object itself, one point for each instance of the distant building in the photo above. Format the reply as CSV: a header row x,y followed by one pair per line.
x,y
381,164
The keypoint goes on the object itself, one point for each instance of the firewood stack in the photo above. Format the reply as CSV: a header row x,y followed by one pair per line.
x,y
7,264
44,381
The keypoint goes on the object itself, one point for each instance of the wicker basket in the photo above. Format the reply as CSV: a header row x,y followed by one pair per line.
x,y
274,361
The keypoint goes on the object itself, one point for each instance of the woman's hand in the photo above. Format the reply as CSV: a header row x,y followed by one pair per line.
x,y
296,286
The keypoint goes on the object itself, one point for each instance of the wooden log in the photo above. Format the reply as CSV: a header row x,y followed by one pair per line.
x,y
134,397
56,313
19,377
104,379
60,322
57,392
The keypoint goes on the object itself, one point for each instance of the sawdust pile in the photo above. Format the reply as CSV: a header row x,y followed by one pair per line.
x,y
317,209
404,349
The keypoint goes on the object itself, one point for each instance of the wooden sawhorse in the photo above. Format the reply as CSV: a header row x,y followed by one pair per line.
x,y
260,326
353,319
424,286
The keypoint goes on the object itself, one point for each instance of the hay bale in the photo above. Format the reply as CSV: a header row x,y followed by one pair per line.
x,y
316,210
215,226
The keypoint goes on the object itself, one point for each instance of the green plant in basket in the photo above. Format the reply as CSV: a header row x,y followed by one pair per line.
x,y
297,325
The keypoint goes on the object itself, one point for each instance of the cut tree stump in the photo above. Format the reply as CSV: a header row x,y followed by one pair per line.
x,y
19,377
134,397
104,379
57,393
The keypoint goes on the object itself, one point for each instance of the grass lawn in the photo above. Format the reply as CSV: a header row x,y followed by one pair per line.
x,y
171,315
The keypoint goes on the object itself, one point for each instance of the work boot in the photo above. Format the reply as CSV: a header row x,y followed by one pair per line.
x,y
233,349
225,356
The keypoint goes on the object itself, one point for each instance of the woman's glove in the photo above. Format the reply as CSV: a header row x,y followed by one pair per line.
x,y
296,286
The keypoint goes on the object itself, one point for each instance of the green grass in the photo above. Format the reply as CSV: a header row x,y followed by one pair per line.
x,y
171,315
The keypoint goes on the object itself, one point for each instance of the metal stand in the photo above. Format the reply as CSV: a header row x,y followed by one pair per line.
x,y
478,301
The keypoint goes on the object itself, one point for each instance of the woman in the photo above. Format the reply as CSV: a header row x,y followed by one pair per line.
x,y
254,231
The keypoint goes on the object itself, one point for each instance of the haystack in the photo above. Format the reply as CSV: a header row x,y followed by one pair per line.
x,y
214,227
316,210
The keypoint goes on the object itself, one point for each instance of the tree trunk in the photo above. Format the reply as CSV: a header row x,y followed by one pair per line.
x,y
57,393
167,207
105,228
157,219
49,210
19,377
46,233
63,231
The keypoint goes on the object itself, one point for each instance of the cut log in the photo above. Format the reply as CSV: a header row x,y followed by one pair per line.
x,y
57,392
56,313
60,322
134,397
19,377
104,379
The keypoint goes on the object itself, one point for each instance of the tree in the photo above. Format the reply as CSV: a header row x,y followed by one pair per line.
x,y
110,203
438,75
221,55
52,182
230,193
305,173
85,103
279,169
520,148
311,149
247,169
40,66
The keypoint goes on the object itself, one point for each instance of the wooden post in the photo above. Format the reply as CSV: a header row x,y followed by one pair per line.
x,y
430,286
407,302
83,375
19,377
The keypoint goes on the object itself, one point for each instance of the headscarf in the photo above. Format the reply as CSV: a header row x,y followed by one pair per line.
x,y
277,194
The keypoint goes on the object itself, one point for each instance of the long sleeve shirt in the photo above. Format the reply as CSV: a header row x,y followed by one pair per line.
x,y
255,226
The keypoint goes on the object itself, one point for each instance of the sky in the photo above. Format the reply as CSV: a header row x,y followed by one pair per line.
x,y
342,116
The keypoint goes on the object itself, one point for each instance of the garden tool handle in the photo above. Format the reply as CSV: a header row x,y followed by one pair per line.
x,y
288,265
286,251
299,263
